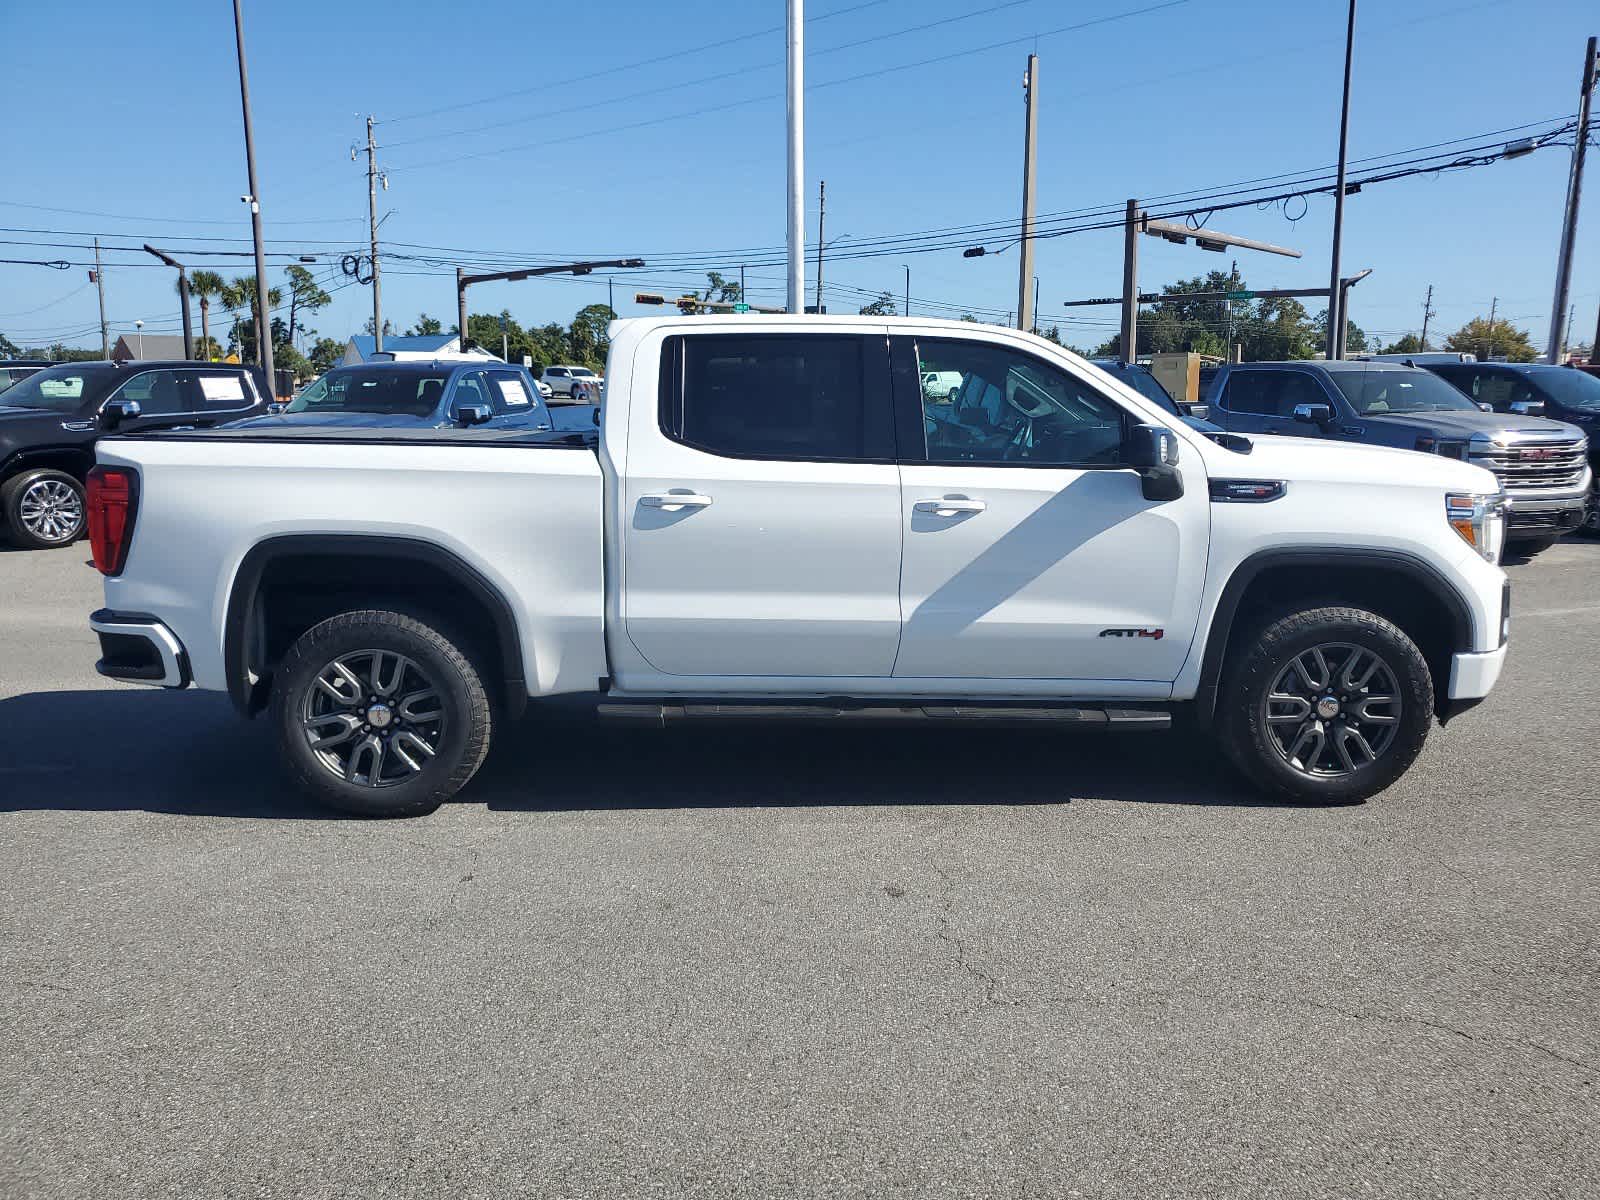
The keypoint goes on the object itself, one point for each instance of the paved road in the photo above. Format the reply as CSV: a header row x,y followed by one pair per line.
x,y
794,963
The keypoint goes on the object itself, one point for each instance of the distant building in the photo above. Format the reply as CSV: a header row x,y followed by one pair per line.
x,y
362,347
152,347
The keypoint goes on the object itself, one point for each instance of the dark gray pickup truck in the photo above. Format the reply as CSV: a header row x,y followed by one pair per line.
x,y
1543,465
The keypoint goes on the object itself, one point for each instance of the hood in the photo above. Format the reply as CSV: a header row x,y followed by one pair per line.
x,y
333,420
7,410
1464,423
1321,460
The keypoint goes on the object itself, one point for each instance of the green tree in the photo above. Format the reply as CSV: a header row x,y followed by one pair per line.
x,y
1355,338
325,354
547,345
305,296
1487,338
587,340
8,348
425,326
726,291
208,285
1408,344
883,306
241,295
388,327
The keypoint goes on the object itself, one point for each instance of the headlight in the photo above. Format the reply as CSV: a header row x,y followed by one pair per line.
x,y
1450,449
1480,520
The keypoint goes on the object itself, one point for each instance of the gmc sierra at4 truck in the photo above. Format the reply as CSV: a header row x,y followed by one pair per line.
x,y
774,519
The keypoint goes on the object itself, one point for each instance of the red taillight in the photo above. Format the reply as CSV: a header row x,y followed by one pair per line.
x,y
110,501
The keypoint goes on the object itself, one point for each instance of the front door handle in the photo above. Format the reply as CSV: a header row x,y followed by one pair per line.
x,y
674,501
949,507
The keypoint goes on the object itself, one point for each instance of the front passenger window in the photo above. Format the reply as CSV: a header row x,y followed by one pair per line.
x,y
1008,407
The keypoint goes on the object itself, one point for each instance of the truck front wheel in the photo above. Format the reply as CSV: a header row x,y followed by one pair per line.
x,y
1330,706
380,714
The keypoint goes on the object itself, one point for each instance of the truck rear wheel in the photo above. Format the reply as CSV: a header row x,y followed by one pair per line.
x,y
1330,706
380,714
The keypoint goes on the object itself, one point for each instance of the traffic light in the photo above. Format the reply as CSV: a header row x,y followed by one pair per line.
x,y
649,298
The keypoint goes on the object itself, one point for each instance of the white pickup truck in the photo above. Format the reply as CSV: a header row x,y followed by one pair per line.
x,y
774,520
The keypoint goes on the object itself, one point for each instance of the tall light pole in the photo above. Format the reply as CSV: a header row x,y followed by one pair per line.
x,y
1569,224
183,297
139,331
908,288
264,318
1030,90
822,208
797,169
1335,297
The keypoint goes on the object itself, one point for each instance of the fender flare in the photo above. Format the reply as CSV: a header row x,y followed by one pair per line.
x,y
245,592
1415,569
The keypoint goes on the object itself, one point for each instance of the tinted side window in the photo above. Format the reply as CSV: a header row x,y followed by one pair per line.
x,y
1270,393
470,391
1011,407
220,391
776,396
156,391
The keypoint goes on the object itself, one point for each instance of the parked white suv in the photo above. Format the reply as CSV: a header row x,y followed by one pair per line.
x,y
577,383
774,520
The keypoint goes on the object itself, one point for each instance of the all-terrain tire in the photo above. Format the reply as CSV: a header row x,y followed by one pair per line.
x,y
457,745
1271,650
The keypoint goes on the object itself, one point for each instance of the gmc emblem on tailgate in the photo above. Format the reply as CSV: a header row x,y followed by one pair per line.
x,y
1153,634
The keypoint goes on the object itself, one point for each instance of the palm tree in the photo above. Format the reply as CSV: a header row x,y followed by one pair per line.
x,y
241,293
206,284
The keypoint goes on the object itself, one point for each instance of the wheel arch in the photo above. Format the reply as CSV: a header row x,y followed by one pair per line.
x,y
1406,589
265,608
74,460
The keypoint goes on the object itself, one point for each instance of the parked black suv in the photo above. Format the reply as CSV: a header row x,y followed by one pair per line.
x,y
1542,464
1561,393
50,420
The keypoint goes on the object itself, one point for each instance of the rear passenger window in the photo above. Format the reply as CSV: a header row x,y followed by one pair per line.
x,y
1270,393
220,391
777,396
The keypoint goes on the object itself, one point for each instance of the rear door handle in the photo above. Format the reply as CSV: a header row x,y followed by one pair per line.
x,y
950,507
674,501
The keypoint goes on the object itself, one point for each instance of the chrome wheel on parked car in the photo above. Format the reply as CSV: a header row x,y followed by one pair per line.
x,y
373,718
51,510
1333,710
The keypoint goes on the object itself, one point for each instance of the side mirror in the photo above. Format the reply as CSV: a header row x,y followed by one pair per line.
x,y
1314,414
116,412
597,416
276,407
474,414
1528,408
1485,406
1152,450
1200,412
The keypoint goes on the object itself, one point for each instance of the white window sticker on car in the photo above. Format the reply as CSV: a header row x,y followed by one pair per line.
x,y
512,392
221,387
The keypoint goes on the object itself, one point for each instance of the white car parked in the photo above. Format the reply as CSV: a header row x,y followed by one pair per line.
x,y
773,521
577,383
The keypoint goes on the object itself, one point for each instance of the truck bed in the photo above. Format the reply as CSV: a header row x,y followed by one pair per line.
x,y
518,508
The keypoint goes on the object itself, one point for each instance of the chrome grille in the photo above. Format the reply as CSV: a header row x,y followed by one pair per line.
x,y
1535,466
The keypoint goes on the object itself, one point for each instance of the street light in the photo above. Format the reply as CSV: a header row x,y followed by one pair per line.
x,y
139,328
183,297
908,288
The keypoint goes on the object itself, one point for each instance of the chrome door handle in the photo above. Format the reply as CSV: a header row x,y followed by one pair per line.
x,y
949,508
674,501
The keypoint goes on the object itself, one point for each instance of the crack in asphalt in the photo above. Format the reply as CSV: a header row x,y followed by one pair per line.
x,y
991,985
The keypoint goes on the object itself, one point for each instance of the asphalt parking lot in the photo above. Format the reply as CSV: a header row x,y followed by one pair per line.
x,y
794,962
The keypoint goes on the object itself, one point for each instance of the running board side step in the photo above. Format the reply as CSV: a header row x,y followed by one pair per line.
x,y
1106,717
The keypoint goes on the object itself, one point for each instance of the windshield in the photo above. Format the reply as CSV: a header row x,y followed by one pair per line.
x,y
60,389
390,393
1568,388
1375,393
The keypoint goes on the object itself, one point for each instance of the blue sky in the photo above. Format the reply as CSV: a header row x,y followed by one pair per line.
x,y
544,130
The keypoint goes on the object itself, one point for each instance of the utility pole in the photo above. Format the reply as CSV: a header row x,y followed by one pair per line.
x,y
1130,283
1572,311
1026,302
822,205
744,297
1335,299
100,283
1569,224
611,294
1035,313
1494,304
797,170
1427,315
461,309
372,218
908,288
263,317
